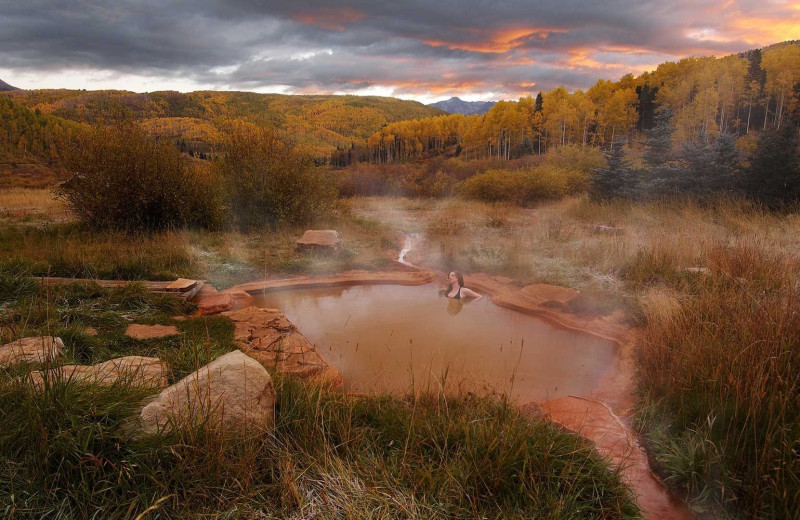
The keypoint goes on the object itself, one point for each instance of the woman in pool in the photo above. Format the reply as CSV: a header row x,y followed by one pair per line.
x,y
456,289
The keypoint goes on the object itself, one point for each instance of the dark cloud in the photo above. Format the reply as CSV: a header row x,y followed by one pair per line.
x,y
445,47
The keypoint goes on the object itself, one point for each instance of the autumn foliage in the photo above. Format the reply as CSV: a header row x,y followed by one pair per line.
x,y
119,177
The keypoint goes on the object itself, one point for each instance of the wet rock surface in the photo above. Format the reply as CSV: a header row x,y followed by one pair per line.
x,y
37,349
135,370
269,337
615,441
233,393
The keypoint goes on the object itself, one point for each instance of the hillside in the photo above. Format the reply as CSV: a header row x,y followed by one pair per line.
x,y
456,105
5,86
321,123
740,95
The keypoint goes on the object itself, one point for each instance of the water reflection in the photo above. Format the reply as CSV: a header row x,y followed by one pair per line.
x,y
394,338
454,306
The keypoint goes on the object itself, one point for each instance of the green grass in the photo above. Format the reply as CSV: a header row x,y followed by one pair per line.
x,y
69,450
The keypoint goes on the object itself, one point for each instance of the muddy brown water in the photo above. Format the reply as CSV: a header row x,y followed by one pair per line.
x,y
388,338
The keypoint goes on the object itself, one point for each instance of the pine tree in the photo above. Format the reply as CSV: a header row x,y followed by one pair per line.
x,y
659,140
774,173
618,180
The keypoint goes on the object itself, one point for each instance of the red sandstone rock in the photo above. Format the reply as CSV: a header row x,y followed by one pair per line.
x,y
241,299
269,337
138,331
211,301
320,239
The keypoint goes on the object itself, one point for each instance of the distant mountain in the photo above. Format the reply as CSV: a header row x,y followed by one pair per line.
x,y
455,105
5,86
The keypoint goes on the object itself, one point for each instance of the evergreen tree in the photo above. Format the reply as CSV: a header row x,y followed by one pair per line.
x,y
659,140
774,173
616,181
646,107
539,103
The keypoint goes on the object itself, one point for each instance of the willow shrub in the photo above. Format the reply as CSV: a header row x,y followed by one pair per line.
x,y
270,182
523,187
121,178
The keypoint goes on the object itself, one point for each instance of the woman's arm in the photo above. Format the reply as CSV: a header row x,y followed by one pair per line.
x,y
470,293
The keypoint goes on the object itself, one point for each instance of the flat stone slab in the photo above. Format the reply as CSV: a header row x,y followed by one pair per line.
x,y
137,370
36,349
181,285
137,331
269,337
320,239
232,393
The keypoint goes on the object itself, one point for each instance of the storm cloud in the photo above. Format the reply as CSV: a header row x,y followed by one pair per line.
x,y
498,49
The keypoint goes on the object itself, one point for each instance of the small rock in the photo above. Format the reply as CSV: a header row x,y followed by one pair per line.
x,y
326,239
38,349
697,270
137,331
138,370
181,285
234,393
241,299
211,301
90,331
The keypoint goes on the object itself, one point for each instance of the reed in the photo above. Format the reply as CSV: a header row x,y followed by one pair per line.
x,y
720,394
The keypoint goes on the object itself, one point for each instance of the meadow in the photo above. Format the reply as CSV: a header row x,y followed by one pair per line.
x,y
710,290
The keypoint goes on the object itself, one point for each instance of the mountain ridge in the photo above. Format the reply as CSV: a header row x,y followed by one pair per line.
x,y
456,105
5,87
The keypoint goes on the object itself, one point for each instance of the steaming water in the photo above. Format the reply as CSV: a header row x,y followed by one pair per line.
x,y
387,338
410,240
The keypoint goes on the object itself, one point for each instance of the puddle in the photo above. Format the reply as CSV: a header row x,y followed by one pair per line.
x,y
388,338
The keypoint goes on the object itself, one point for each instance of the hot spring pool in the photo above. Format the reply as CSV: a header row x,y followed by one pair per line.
x,y
389,338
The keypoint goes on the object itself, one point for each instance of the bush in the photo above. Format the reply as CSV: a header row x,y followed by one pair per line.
x,y
118,177
574,157
269,182
521,187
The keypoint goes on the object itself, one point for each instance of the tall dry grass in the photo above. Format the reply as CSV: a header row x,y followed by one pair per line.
x,y
720,383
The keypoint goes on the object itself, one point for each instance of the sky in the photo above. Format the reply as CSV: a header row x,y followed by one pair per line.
x,y
427,51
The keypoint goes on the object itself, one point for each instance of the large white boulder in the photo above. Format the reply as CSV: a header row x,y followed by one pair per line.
x,y
233,393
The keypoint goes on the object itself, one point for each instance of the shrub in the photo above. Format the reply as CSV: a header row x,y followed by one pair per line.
x,y
521,187
118,177
270,182
577,158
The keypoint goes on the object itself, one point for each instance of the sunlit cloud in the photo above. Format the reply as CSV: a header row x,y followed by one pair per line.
x,y
412,49
330,18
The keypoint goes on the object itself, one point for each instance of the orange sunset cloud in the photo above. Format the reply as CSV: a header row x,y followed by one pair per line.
x,y
499,41
330,18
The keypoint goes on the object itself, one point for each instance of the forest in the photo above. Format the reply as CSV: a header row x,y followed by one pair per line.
x,y
738,94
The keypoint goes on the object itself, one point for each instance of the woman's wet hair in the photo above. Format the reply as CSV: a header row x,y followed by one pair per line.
x,y
459,277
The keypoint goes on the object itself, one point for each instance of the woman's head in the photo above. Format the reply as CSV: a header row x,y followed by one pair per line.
x,y
454,277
